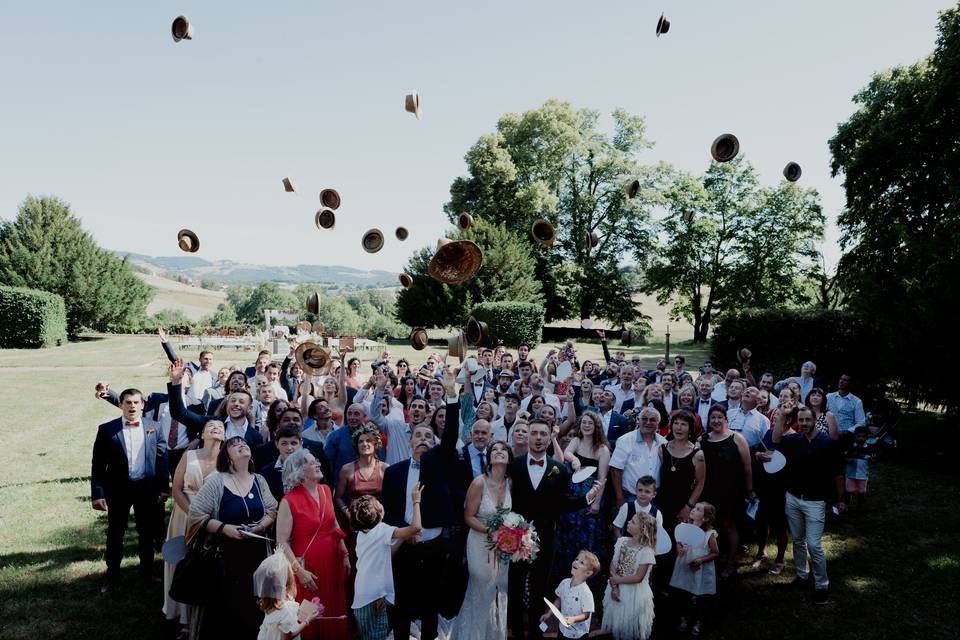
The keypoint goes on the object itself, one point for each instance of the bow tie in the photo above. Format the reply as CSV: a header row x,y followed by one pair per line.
x,y
131,424
414,464
539,463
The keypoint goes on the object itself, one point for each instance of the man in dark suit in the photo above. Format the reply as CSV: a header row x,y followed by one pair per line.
x,y
703,402
129,469
269,457
540,493
418,563
617,423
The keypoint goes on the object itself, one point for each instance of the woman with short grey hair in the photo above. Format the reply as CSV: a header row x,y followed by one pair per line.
x,y
309,535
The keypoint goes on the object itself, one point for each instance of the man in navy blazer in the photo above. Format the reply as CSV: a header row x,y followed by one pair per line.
x,y
617,423
129,469
703,402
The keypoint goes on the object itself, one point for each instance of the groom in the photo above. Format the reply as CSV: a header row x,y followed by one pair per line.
x,y
540,493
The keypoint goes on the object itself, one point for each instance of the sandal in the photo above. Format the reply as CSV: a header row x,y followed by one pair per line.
x,y
758,562
777,568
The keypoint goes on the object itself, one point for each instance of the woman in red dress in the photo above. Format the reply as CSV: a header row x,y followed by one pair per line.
x,y
308,532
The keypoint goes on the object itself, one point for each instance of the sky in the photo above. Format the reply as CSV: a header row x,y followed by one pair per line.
x,y
144,136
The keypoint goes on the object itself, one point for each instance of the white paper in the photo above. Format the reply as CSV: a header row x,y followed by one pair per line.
x,y
583,474
557,614
752,507
251,534
777,462
664,544
689,534
564,371
543,627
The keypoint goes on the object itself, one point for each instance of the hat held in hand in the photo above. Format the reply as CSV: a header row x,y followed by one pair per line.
x,y
188,241
455,262
181,29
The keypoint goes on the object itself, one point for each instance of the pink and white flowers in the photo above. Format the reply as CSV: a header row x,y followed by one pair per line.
x,y
511,537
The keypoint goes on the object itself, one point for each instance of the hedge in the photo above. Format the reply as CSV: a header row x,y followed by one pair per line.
x,y
510,323
30,319
783,339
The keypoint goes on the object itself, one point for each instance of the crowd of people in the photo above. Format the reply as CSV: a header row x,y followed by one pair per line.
x,y
373,494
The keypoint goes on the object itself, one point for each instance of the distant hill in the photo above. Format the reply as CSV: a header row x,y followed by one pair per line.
x,y
232,272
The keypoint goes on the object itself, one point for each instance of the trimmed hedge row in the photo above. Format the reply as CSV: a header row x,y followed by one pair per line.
x,y
510,323
30,319
783,339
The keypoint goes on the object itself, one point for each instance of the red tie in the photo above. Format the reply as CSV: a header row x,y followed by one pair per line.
x,y
539,463
132,424
174,434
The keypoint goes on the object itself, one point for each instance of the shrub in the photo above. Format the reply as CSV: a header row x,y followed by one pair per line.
x,y
783,339
511,323
30,319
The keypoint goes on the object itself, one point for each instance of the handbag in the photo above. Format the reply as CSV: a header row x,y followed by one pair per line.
x,y
198,577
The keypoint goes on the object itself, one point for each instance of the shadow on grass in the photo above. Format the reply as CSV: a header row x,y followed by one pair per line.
x,y
47,481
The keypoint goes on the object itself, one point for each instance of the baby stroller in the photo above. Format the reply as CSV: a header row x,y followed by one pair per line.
x,y
882,422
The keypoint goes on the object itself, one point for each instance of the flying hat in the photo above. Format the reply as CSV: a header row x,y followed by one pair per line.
x,y
288,185
592,239
744,355
330,198
406,281
325,218
313,303
418,338
663,25
633,189
188,241
402,233
181,29
411,104
464,221
457,345
455,262
372,241
725,148
543,232
476,331
314,359
792,171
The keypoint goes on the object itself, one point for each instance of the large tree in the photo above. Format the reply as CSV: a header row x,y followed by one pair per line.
x,y
727,243
46,248
555,163
899,154
508,273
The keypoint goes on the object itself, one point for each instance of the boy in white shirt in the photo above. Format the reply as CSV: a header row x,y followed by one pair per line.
x,y
376,543
646,492
574,598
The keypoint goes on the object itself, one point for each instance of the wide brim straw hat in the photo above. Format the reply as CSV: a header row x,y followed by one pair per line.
x,y
455,262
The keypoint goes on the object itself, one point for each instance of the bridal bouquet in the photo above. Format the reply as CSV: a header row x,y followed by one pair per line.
x,y
511,537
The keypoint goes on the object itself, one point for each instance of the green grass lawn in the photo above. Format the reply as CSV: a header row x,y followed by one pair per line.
x,y
895,570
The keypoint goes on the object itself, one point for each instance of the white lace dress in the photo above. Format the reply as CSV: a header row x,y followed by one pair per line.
x,y
632,617
483,615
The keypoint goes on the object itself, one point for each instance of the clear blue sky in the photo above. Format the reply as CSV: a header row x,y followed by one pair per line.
x,y
144,136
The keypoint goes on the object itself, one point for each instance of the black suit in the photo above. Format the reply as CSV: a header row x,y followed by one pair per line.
x,y
420,596
542,506
110,480
265,458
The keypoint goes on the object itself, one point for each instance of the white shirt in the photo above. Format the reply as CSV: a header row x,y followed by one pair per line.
x,y
750,424
413,477
234,430
398,432
703,410
498,429
636,459
620,395
374,568
621,520
133,440
573,602
668,401
774,402
202,380
536,471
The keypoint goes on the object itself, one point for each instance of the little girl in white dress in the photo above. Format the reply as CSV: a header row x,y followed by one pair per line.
x,y
628,600
276,587
693,573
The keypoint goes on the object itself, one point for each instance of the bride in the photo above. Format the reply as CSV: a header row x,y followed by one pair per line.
x,y
483,615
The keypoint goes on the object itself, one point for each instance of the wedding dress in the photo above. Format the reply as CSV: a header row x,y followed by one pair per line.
x,y
483,615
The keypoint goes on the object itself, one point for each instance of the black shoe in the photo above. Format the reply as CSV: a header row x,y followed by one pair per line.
x,y
800,582
820,596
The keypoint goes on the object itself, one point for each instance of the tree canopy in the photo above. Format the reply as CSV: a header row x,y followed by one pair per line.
x,y
508,274
555,163
46,248
728,243
899,155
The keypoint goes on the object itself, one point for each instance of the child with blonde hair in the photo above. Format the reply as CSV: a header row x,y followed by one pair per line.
x,y
694,574
276,587
628,600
